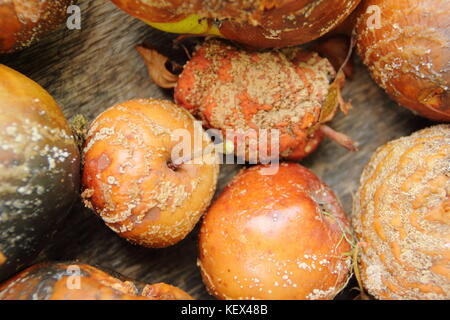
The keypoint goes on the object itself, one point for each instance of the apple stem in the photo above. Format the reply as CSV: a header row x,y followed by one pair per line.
x,y
342,139
338,50
227,148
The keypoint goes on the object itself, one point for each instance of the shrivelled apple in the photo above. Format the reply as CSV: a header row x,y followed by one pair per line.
x,y
406,46
401,216
250,95
132,180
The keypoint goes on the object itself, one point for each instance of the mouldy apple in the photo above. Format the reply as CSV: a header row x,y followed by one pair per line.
x,y
39,169
78,281
258,23
406,45
275,237
401,218
130,178
23,22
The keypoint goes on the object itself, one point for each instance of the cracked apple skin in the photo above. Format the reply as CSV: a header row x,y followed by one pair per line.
x,y
22,22
79,281
275,236
257,23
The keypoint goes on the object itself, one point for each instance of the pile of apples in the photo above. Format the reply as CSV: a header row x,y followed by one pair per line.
x,y
282,233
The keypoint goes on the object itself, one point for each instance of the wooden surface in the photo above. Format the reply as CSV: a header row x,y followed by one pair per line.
x,y
91,69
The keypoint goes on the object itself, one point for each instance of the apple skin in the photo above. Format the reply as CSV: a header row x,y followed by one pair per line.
x,y
256,23
275,237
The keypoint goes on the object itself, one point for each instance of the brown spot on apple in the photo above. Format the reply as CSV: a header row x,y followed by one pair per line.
x,y
153,214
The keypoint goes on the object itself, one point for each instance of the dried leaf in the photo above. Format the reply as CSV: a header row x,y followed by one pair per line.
x,y
156,66
334,100
79,125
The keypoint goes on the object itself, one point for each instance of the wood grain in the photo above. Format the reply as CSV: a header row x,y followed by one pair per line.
x,y
91,69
